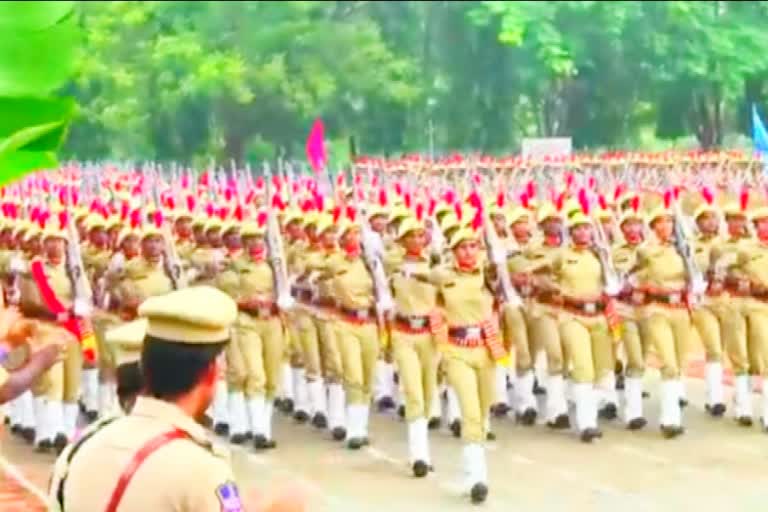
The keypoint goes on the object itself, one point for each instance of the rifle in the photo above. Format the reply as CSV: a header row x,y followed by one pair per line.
x,y
696,283
275,250
171,259
374,260
81,288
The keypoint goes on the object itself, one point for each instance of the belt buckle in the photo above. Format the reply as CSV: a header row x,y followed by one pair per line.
x,y
263,312
743,286
416,323
589,308
674,298
473,333
361,314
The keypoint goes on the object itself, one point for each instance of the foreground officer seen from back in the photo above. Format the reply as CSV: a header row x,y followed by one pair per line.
x,y
159,456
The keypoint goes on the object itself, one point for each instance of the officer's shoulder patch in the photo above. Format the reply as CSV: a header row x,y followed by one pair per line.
x,y
229,497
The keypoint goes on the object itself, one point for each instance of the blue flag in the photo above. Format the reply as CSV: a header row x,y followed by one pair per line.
x,y
759,133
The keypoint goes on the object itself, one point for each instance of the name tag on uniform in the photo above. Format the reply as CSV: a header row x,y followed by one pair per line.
x,y
571,262
449,285
229,498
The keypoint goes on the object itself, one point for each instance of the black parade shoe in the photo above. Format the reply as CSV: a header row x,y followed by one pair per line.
x,y
490,436
479,493
744,421
420,469
528,417
60,442
262,443
221,429
434,423
320,421
401,411
238,439
637,424
28,434
590,434
562,422
671,432
91,416
456,428
608,412
339,433
385,403
500,410
537,389
716,411
683,402
301,416
355,443
44,446
287,406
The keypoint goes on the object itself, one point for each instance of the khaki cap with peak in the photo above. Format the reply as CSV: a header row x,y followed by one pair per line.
x,y
126,341
196,315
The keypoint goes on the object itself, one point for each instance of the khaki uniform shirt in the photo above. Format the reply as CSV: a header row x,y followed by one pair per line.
x,y
188,475
464,296
412,292
351,284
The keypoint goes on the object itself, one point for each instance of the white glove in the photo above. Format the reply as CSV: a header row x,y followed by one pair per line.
x,y
16,265
82,308
116,264
285,302
385,305
699,286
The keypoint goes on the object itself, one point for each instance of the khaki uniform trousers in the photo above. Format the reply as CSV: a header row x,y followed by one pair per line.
x,y
749,352
706,322
667,331
544,333
330,353
359,347
309,342
588,347
102,322
471,372
416,359
516,340
62,381
295,352
633,348
262,347
235,372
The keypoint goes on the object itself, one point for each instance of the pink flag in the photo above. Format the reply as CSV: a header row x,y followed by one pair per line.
x,y
316,146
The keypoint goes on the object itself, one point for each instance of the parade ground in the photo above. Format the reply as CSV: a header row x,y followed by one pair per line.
x,y
717,465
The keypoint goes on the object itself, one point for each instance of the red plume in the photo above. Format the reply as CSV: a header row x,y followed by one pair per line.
x,y
185,181
63,219
458,210
228,194
668,198
223,212
744,198
584,201
477,220
158,218
592,183
239,213
260,182
559,200
205,179
501,199
530,189
617,192
277,202
261,218
420,211
209,210
450,196
250,196
351,213
475,200
634,203
407,200
191,203
398,188
602,201
125,209
319,202
569,180
525,200
336,213
382,197
708,195
432,206
136,218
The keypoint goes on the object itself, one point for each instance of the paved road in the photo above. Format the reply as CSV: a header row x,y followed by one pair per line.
x,y
716,466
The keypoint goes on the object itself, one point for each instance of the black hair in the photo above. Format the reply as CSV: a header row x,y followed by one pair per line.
x,y
171,369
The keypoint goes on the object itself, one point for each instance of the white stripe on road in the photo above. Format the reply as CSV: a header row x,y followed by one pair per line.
x,y
17,475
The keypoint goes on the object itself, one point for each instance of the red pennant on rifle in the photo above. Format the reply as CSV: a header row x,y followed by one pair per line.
x,y
316,146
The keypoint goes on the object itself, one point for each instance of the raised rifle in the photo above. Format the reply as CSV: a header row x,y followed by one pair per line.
x,y
275,250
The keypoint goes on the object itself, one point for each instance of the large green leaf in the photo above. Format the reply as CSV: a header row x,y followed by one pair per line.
x,y
18,163
32,15
35,62
23,138
21,113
